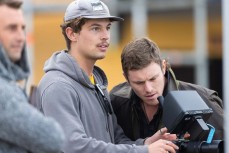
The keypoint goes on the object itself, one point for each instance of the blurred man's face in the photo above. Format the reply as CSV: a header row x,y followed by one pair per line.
x,y
12,31
148,83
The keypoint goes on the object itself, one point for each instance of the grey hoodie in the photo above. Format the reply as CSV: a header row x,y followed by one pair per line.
x,y
23,128
66,93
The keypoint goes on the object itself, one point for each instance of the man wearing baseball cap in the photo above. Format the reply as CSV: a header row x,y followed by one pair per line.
x,y
74,90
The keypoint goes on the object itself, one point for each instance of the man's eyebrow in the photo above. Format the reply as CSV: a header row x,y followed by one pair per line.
x,y
16,25
138,81
12,25
97,24
153,77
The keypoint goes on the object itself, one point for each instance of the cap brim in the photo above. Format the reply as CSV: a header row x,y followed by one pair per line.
x,y
113,18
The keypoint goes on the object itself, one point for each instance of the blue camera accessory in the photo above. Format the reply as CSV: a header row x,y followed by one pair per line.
x,y
211,133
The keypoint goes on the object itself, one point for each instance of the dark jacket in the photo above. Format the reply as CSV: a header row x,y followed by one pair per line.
x,y
124,102
23,128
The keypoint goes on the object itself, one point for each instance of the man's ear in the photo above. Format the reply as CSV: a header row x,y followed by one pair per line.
x,y
164,66
71,34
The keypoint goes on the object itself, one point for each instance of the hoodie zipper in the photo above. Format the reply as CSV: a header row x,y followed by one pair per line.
x,y
105,106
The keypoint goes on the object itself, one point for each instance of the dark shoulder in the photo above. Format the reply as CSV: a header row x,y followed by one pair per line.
x,y
200,89
121,90
120,95
207,94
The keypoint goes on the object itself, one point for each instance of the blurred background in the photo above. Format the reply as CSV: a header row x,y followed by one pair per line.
x,y
188,32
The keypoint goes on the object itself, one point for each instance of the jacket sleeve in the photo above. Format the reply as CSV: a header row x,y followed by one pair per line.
x,y
216,119
24,126
65,108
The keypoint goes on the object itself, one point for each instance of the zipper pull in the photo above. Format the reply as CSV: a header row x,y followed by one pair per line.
x,y
100,90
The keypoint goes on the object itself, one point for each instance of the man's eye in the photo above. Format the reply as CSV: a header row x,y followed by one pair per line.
x,y
12,28
139,83
152,79
96,29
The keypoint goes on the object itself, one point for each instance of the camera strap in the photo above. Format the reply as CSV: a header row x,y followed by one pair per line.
x,y
104,100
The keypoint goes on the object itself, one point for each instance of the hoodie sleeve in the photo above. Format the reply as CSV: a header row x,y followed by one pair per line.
x,y
65,108
24,126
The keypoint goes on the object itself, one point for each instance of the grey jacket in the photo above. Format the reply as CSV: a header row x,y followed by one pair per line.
x,y
66,93
23,128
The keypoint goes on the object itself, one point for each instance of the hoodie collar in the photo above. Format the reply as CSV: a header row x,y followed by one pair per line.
x,y
64,62
13,71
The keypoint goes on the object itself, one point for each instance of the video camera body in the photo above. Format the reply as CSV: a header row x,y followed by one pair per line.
x,y
185,111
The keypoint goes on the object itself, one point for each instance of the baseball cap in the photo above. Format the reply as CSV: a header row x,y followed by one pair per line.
x,y
90,9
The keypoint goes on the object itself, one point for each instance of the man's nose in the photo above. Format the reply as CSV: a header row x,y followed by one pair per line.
x,y
105,34
148,87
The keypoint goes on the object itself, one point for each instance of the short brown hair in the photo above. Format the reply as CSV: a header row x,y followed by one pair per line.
x,y
76,25
138,54
16,4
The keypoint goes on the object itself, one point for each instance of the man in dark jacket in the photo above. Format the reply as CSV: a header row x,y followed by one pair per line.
x,y
148,76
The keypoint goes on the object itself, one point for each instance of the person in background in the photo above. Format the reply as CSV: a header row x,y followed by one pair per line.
x,y
148,76
23,128
74,90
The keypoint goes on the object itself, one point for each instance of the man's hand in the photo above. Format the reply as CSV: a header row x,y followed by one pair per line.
x,y
160,134
162,146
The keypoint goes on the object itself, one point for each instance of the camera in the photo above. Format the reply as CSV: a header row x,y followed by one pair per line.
x,y
186,112
189,146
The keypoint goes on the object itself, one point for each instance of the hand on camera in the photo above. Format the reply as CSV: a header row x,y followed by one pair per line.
x,y
160,134
162,146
